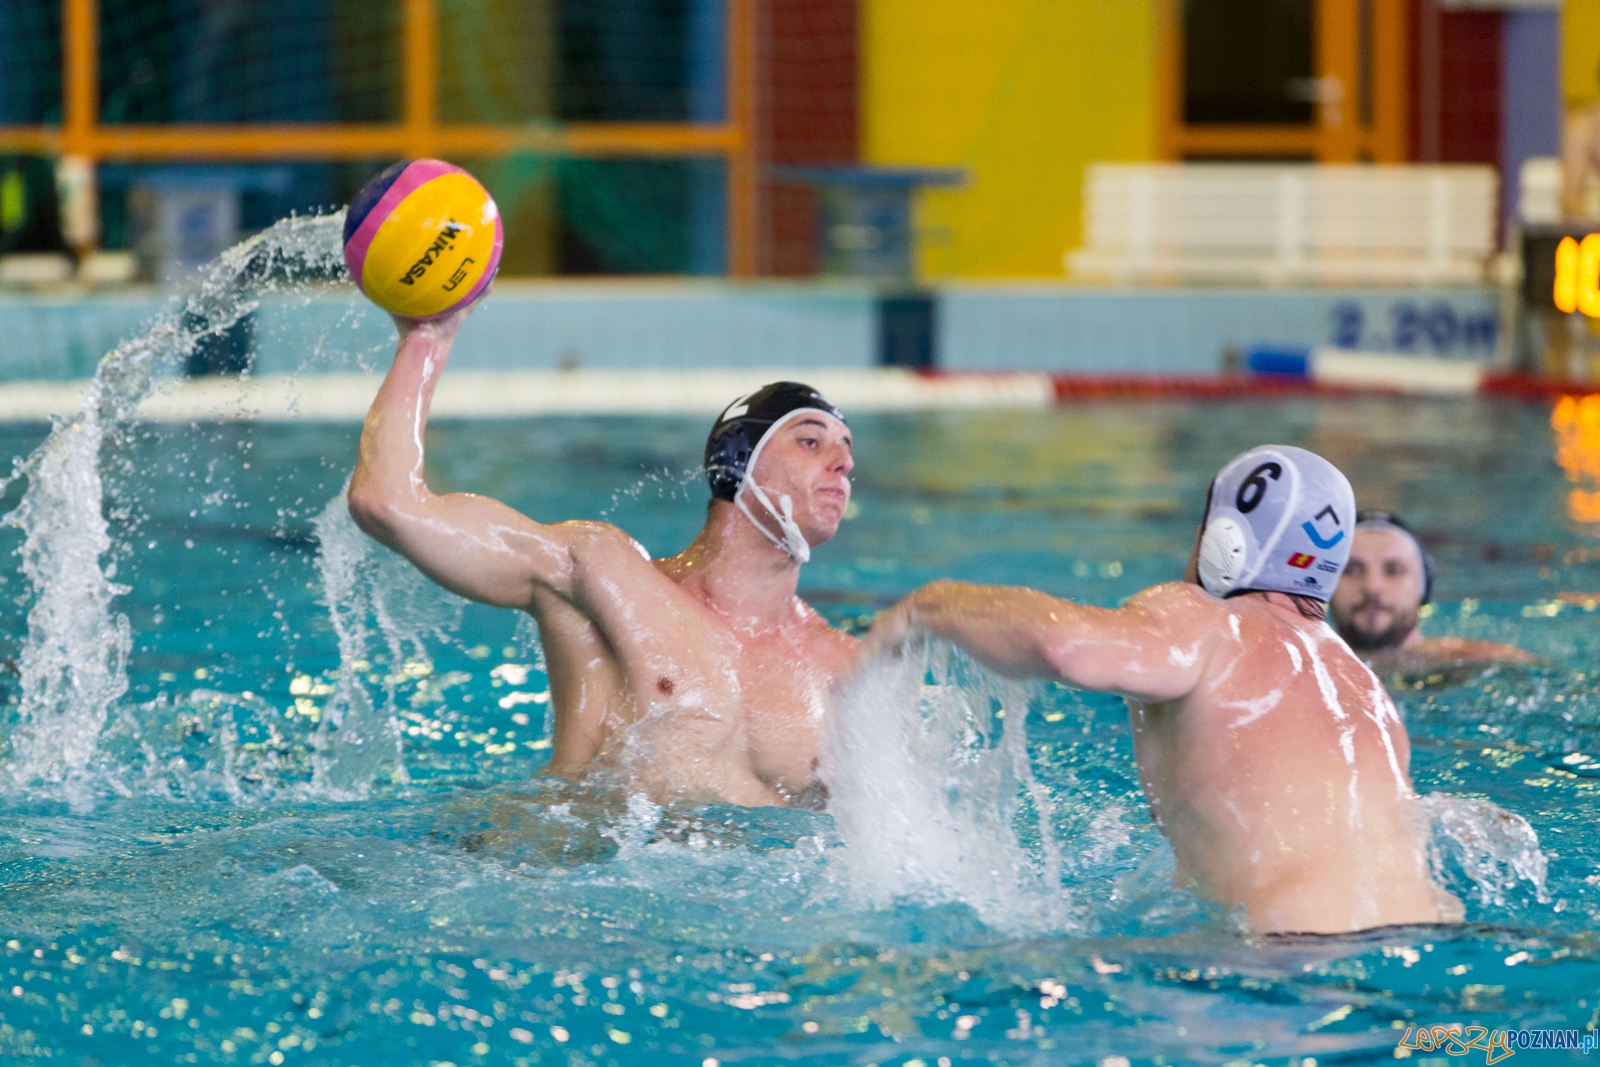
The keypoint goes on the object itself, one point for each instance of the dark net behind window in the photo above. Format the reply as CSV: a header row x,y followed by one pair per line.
x,y
1248,61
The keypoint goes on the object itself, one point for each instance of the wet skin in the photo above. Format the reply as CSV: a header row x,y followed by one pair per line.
x,y
695,679
1271,757
1580,159
1377,603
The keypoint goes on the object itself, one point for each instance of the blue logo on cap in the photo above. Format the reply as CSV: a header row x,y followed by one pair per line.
x,y
1316,538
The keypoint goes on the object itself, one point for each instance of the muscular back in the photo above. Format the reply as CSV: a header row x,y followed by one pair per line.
x,y
1271,757
1282,777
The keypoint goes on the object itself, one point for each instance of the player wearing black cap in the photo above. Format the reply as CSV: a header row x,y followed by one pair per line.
x,y
735,444
696,678
1377,607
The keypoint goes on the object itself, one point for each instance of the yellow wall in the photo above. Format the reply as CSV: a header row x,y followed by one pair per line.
x,y
1023,93
1580,33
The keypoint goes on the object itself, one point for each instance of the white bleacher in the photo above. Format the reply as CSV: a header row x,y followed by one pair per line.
x,y
1284,224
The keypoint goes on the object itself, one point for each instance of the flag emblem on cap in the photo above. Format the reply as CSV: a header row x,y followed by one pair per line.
x,y
1301,560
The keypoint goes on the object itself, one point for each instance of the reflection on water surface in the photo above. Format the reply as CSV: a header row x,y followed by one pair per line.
x,y
230,883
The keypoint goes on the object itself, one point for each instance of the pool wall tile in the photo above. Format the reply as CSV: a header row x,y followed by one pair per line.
x,y
600,327
662,325
1186,331
60,338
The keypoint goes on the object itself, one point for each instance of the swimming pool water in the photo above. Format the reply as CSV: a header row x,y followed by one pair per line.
x,y
230,880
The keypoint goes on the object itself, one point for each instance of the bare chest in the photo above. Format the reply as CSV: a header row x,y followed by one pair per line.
x,y
756,699
783,695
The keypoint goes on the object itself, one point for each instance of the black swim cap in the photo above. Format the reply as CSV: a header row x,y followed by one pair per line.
x,y
1389,518
741,427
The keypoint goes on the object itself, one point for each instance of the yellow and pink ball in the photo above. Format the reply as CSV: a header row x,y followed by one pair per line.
x,y
423,239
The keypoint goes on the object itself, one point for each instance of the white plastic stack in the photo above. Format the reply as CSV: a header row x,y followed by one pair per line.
x,y
1283,224
1539,191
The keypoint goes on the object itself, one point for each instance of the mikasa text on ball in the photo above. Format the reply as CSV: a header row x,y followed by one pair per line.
x,y
422,239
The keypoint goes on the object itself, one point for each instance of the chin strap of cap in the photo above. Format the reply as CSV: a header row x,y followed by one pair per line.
x,y
793,541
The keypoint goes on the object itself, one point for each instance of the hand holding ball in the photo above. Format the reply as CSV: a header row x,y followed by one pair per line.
x,y
423,239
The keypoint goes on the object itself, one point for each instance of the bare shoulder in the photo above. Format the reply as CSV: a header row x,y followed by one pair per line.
x,y
602,551
600,537
1443,661
1183,600
829,638
1179,615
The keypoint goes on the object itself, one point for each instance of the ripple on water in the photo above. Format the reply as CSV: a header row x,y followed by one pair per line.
x,y
292,812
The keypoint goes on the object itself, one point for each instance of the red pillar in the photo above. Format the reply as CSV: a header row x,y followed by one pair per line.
x,y
810,62
1456,76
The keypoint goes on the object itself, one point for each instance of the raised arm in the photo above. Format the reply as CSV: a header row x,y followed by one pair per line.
x,y
471,545
1153,648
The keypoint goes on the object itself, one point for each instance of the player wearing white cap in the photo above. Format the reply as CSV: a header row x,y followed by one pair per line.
x,y
1272,759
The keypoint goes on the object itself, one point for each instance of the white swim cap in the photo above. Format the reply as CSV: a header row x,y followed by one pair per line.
x,y
1279,519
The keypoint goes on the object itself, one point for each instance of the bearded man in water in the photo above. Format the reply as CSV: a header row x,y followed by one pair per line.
x,y
1377,607
1271,757
698,678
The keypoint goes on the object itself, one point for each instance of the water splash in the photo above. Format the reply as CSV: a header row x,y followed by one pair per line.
x,y
382,609
1493,847
634,829
668,486
926,791
73,662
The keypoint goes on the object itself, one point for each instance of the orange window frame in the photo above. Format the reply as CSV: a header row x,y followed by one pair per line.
x,y
418,133
1337,135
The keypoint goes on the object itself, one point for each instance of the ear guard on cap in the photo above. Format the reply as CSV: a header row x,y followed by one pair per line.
x,y
1224,554
1277,520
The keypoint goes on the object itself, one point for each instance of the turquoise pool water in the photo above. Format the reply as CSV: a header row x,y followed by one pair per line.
x,y
269,798
219,885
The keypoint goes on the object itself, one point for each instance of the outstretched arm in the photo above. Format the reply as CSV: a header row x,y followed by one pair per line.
x,y
471,545
1463,650
1153,648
